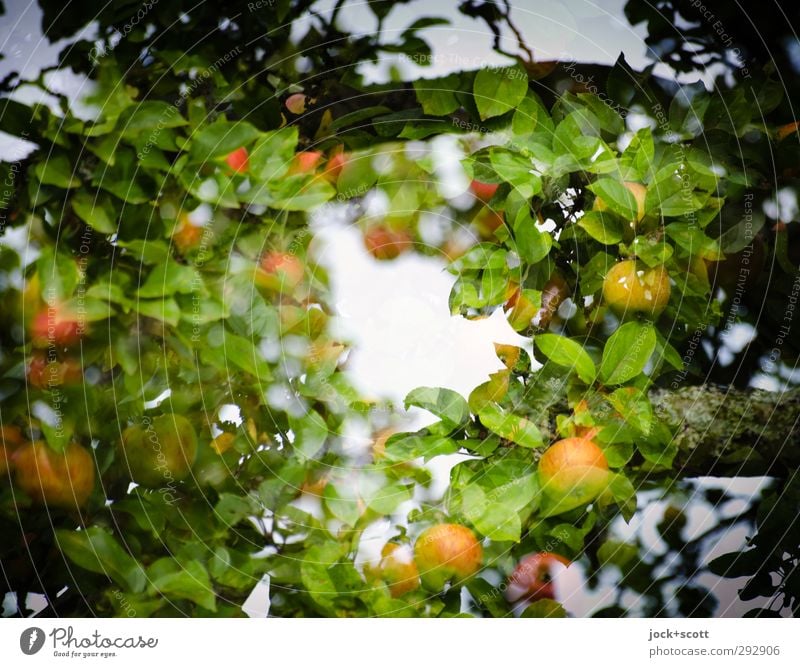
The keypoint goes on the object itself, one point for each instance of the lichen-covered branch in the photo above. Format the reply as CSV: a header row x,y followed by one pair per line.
x,y
722,431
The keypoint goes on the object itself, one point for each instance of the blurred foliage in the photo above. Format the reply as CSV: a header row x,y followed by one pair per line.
x,y
192,280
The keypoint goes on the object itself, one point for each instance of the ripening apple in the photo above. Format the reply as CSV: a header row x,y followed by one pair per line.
x,y
10,440
46,373
385,243
488,221
159,451
396,568
187,236
334,166
238,160
55,326
533,577
56,479
305,162
280,271
483,191
447,552
639,193
630,289
574,467
296,103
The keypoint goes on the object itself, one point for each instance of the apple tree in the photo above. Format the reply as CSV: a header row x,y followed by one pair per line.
x,y
173,397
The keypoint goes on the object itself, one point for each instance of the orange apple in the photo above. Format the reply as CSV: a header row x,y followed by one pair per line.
x,y
447,552
630,288
55,479
187,236
574,467
397,569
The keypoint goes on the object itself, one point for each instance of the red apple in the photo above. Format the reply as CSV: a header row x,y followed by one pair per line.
x,y
383,242
533,577
238,160
280,271
483,191
305,162
44,373
53,325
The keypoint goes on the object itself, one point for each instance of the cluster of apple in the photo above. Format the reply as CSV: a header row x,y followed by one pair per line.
x,y
450,553
157,453
55,333
56,479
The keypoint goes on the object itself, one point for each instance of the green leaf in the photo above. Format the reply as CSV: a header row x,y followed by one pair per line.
x,y
96,550
616,196
342,503
624,494
516,170
125,179
171,278
58,273
544,609
301,194
437,96
165,310
566,352
404,447
694,240
315,573
187,580
272,154
637,159
97,211
242,353
232,508
150,115
386,498
499,523
448,405
626,352
146,251
510,426
221,138
602,227
311,432
533,245
498,90
57,170
634,407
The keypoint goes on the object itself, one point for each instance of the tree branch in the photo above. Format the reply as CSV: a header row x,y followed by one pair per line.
x,y
721,431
